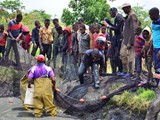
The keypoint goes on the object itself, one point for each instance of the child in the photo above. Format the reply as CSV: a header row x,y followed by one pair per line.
x,y
95,35
58,44
103,30
25,39
147,50
84,41
3,37
91,32
66,49
138,45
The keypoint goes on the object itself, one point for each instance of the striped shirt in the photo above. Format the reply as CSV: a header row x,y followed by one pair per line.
x,y
14,28
138,45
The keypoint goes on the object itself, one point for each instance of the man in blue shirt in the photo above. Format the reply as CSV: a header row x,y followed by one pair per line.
x,y
35,37
154,15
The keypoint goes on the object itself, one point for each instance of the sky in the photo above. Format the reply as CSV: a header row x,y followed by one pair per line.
x,y
55,7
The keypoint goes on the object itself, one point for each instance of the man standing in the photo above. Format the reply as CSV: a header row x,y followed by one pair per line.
x,y
127,50
55,39
35,37
45,39
14,32
116,41
43,78
154,15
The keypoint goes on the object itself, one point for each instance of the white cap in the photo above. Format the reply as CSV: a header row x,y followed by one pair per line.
x,y
101,38
125,5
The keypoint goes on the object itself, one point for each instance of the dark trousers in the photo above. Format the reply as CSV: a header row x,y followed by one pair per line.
x,y
156,60
113,59
2,50
83,68
12,43
120,65
47,48
138,64
34,50
55,53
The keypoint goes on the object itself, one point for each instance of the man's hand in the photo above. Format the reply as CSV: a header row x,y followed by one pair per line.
x,y
50,42
128,46
41,48
34,44
105,23
155,75
149,53
29,85
17,39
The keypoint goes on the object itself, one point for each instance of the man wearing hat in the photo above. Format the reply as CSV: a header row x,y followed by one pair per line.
x,y
130,24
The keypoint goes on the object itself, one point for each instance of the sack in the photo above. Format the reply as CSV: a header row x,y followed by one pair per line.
x,y
29,96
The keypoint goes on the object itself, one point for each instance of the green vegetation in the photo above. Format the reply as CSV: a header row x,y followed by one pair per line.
x,y
139,101
142,15
10,8
90,10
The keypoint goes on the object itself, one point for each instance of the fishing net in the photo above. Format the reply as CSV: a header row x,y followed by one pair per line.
x,y
68,99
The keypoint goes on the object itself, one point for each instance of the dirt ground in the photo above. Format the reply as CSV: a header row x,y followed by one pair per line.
x,y
11,109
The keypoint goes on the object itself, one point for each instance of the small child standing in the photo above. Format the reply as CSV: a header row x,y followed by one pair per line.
x,y
84,41
3,37
138,45
147,50
25,39
95,35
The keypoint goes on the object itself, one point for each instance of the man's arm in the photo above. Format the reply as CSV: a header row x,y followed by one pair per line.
x,y
9,30
18,36
118,23
133,25
40,39
20,32
65,45
33,36
10,34
53,81
52,77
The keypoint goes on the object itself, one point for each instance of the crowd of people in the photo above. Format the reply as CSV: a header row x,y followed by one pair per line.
x,y
88,48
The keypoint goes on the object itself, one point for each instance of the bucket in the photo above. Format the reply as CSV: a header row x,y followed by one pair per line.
x,y
29,96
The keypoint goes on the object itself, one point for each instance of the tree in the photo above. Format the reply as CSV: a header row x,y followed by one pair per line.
x,y
43,14
90,10
12,6
67,17
9,9
29,18
142,15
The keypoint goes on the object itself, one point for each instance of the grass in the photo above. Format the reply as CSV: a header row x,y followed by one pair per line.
x,y
139,101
